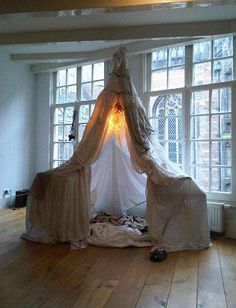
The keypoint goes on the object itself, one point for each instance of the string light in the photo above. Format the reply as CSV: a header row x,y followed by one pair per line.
x,y
116,121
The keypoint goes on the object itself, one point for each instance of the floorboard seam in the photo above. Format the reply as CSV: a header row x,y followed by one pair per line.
x,y
172,278
143,287
222,277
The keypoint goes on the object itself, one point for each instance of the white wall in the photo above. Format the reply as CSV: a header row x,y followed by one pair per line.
x,y
16,112
41,123
135,65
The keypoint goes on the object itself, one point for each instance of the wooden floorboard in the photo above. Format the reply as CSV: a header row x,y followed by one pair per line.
x,y
211,294
37,275
183,291
157,286
227,255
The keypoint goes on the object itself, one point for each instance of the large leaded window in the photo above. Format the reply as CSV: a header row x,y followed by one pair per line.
x,y
210,154
75,92
190,90
166,81
165,112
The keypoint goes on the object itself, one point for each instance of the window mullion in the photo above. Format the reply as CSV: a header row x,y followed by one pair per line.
x,y
234,56
167,69
233,138
186,110
53,108
212,61
186,127
188,65
210,142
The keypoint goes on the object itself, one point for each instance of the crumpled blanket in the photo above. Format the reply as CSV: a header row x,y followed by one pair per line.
x,y
122,232
133,221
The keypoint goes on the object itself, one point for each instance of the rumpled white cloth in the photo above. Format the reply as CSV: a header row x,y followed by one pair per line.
x,y
107,235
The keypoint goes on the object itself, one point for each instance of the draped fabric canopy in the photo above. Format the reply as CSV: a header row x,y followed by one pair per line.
x,y
118,164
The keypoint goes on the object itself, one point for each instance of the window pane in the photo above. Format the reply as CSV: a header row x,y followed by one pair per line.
x,y
223,47
221,126
86,73
57,163
200,153
202,73
68,150
159,127
67,129
176,77
71,94
200,102
175,128
97,88
174,104
61,96
223,70
68,115
58,116
202,51
172,128
202,177
61,78
159,59
72,75
176,56
157,106
167,111
175,152
221,179
159,80
58,151
200,127
221,153
81,130
58,133
86,92
172,151
221,100
98,71
92,109
84,114
180,153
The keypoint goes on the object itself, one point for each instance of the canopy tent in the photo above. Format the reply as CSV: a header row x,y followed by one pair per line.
x,y
119,163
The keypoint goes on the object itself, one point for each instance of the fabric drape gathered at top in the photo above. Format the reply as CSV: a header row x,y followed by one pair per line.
x,y
58,207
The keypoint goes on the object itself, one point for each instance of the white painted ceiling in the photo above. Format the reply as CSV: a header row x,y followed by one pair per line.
x,y
100,19
49,21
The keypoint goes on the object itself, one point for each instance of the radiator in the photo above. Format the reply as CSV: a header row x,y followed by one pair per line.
x,y
216,217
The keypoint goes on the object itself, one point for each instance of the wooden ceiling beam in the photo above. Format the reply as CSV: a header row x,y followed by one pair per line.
x,y
134,47
175,30
26,6
106,54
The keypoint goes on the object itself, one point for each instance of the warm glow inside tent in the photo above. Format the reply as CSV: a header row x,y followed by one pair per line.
x,y
118,165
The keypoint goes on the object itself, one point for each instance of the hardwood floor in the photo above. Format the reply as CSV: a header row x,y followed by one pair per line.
x,y
36,275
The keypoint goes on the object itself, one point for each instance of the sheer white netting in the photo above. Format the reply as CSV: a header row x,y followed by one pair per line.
x,y
117,165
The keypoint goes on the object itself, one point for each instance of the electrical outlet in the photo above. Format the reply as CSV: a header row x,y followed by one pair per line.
x,y
7,193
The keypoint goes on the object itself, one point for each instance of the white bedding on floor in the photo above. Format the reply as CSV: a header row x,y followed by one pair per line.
x,y
107,235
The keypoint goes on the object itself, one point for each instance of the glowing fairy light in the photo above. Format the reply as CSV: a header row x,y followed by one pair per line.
x,y
116,121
